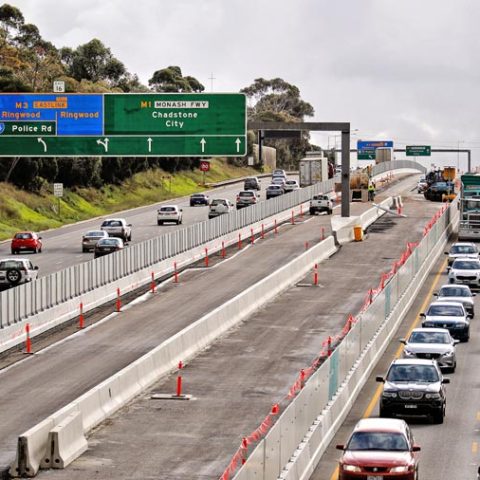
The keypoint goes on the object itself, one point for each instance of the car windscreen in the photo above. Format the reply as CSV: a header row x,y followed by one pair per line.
x,y
454,292
466,265
385,441
413,373
445,311
428,337
456,249
95,234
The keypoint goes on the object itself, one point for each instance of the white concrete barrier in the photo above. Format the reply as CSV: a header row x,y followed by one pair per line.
x,y
66,441
107,397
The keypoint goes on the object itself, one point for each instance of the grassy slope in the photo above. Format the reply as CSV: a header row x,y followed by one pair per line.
x,y
20,210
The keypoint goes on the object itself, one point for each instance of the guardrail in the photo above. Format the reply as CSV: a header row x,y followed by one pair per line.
x,y
296,442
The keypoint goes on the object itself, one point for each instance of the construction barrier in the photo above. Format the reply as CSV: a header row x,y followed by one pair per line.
x,y
325,391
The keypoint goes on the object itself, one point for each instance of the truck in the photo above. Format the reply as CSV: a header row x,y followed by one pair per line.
x,y
469,225
313,168
440,184
321,203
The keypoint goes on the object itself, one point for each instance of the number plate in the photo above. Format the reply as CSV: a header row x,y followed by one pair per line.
x,y
374,477
410,406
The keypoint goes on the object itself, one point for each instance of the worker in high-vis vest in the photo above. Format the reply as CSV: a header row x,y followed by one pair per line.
x,y
371,191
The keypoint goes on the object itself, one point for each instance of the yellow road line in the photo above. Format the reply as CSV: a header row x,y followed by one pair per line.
x,y
474,447
478,416
378,391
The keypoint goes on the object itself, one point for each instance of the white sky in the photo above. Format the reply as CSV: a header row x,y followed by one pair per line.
x,y
405,70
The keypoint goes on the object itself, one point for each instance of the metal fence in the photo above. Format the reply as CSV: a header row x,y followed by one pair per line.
x,y
16,304
275,451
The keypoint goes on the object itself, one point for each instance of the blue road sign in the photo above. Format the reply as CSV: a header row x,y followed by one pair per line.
x,y
369,145
73,114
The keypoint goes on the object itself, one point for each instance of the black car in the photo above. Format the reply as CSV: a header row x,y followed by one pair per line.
x,y
413,387
108,245
198,199
251,183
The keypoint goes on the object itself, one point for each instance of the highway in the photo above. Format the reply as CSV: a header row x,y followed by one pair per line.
x,y
449,451
151,439
62,246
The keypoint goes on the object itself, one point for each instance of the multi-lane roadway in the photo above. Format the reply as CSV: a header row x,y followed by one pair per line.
x,y
236,381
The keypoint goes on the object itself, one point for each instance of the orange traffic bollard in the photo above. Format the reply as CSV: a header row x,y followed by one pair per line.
x,y
206,257
315,275
28,342
223,249
152,284
175,273
263,232
81,319
239,241
118,303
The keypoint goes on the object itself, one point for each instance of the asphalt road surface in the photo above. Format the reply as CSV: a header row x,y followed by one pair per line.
x,y
237,379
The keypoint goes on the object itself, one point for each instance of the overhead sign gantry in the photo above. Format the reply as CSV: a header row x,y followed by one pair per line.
x,y
167,125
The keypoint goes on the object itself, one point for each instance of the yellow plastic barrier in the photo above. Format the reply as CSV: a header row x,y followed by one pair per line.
x,y
358,233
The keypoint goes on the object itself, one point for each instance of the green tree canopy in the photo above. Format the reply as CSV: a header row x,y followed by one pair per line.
x,y
170,79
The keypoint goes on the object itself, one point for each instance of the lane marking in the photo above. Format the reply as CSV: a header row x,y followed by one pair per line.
x,y
474,447
378,391
478,416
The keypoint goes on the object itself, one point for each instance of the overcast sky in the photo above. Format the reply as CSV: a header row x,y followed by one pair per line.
x,y
404,70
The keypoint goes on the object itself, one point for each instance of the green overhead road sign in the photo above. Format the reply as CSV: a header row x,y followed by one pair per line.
x,y
418,150
168,125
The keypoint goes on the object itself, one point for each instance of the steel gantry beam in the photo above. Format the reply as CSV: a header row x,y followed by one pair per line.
x,y
342,127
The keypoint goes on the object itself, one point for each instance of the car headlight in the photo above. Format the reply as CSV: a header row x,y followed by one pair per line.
x,y
399,469
389,394
460,324
427,324
448,353
408,353
351,468
432,396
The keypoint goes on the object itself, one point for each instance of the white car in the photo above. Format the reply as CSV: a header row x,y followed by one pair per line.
x,y
466,271
279,172
458,293
220,206
462,249
291,185
169,213
117,227
14,271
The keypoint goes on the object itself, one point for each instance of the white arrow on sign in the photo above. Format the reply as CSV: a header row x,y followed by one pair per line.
x,y
149,141
203,142
238,142
104,144
40,140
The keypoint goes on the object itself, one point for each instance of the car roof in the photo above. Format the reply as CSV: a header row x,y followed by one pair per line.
x,y
24,231
198,195
466,259
381,424
471,244
430,330
16,259
413,361
445,303
455,285
116,219
168,206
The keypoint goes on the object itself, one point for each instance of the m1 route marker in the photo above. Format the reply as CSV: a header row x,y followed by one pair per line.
x,y
139,124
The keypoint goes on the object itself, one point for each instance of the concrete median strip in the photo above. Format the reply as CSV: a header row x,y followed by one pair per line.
x,y
100,402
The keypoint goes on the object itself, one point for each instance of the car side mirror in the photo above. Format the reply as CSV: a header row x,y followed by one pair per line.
x,y
39,238
445,380
469,316
446,253
435,294
449,268
181,209
340,446
474,294
416,448
422,315
402,340
456,341
129,225
380,379
35,267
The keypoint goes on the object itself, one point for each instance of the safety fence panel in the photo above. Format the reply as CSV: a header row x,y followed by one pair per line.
x,y
383,167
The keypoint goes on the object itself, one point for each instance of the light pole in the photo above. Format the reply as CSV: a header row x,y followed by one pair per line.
x,y
352,134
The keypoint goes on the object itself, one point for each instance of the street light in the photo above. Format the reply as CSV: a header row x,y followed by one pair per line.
x,y
339,135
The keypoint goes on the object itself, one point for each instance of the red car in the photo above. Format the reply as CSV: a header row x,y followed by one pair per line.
x,y
26,241
379,448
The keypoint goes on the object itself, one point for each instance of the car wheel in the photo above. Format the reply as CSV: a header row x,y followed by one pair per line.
x,y
312,211
13,276
330,211
84,250
383,413
438,417
13,252
452,370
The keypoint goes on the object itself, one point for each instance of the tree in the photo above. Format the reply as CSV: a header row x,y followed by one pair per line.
x,y
279,101
170,79
11,19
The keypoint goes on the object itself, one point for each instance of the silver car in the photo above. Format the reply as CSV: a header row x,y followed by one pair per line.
x,y
90,239
462,249
291,185
465,271
458,293
432,343
449,315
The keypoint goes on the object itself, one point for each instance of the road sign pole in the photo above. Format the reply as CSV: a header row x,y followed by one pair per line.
x,y
345,173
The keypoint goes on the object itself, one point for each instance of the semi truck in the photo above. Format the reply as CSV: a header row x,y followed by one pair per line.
x,y
440,184
469,225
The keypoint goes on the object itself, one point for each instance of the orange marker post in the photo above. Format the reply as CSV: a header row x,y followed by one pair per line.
x,y
28,342
175,273
118,303
81,319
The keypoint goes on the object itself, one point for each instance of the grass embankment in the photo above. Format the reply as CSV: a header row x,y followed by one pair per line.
x,y
21,210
